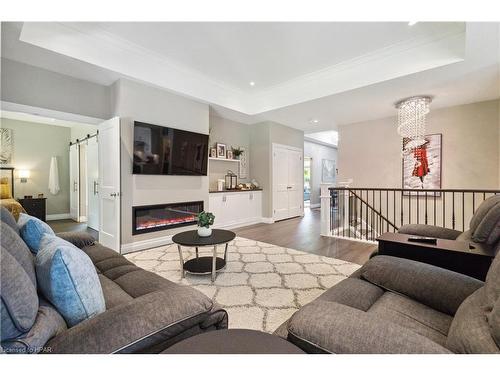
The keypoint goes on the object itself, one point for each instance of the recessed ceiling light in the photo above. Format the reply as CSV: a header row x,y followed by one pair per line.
x,y
411,23
314,121
252,83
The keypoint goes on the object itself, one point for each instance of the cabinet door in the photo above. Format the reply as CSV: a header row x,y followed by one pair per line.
x,y
236,205
215,206
255,210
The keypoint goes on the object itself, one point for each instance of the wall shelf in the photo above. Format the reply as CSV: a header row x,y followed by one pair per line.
x,y
221,159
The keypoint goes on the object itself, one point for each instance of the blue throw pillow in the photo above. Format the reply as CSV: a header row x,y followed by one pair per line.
x,y
31,230
68,279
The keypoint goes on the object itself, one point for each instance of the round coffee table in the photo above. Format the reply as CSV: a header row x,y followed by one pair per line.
x,y
207,264
234,341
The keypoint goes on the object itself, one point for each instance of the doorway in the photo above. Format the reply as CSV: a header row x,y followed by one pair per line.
x,y
307,181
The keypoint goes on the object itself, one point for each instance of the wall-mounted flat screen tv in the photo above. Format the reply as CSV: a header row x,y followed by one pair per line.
x,y
168,151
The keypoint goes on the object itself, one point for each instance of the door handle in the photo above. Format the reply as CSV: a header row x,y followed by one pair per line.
x,y
95,187
75,186
288,187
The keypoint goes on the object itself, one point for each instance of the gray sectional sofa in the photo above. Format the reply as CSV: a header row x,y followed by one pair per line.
x,y
396,305
145,313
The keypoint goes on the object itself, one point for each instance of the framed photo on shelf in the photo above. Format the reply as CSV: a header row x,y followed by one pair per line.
x,y
229,154
221,150
213,152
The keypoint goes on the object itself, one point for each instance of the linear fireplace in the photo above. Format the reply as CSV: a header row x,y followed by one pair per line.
x,y
164,216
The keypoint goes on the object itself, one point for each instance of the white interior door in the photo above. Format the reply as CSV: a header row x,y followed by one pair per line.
x,y
280,183
74,171
287,182
109,183
295,185
93,184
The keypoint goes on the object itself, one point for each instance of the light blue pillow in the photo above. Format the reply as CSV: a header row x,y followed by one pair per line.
x,y
31,230
68,279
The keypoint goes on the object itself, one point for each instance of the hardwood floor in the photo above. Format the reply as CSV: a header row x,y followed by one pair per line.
x,y
303,233
72,226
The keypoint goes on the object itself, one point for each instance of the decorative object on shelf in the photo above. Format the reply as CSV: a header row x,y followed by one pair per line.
x,y
221,150
422,166
412,114
205,220
254,183
237,152
327,170
231,180
28,197
220,184
213,152
229,154
40,195
6,145
24,174
243,167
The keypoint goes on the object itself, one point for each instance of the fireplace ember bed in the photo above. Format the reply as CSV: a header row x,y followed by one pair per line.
x,y
158,217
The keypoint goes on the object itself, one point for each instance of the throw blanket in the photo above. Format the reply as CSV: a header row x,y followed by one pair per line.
x,y
54,176
13,206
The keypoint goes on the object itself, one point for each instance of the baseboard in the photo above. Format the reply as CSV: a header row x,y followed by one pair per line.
x,y
58,217
267,220
315,205
146,244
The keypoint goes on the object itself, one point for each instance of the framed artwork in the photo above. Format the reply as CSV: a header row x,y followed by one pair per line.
x,y
6,145
221,150
213,152
7,180
422,165
243,168
229,154
327,170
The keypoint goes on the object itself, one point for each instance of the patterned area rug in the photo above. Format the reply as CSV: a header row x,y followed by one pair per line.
x,y
262,284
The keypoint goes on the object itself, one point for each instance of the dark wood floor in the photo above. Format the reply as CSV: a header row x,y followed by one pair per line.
x,y
303,233
71,226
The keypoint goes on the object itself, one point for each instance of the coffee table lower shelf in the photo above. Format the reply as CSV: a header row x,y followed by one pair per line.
x,y
203,265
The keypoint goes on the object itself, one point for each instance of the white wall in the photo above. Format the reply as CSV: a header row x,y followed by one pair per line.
x,y
132,101
369,152
317,153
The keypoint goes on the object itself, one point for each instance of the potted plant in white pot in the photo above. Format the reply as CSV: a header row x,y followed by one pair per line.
x,y
205,220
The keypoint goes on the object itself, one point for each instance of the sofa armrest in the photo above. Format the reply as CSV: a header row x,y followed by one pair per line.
x,y
441,289
429,231
79,239
330,327
134,326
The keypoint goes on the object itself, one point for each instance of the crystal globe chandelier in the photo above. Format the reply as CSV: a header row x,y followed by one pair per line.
x,y
412,113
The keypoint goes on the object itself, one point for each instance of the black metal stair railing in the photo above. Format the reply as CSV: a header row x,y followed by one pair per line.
x,y
365,213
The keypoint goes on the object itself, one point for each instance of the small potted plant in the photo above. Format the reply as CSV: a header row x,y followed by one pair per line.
x,y
237,152
205,220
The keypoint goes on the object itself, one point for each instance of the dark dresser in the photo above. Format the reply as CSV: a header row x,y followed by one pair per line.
x,y
35,207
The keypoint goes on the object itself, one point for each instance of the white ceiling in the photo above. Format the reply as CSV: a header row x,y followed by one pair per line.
x,y
337,73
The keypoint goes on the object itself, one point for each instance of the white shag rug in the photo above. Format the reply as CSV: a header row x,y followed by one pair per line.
x,y
262,284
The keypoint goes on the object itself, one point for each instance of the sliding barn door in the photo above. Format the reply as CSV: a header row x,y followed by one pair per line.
x,y
109,183
74,181
93,184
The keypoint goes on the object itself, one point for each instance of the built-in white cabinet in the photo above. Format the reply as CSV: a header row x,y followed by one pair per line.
x,y
288,182
232,209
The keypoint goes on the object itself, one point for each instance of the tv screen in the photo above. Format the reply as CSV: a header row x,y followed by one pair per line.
x,y
168,151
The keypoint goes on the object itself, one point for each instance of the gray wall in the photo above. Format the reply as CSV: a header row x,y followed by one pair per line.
x,y
133,101
34,146
231,133
317,153
369,152
37,87
262,137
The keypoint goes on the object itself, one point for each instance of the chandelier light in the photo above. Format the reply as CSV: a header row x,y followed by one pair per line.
x,y
412,113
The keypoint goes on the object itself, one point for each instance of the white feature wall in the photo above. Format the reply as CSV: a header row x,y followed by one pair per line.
x,y
132,101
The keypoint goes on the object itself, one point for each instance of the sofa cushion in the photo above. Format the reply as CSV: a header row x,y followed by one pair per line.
x,y
353,292
19,298
329,327
481,212
470,332
48,324
7,218
32,230
487,229
14,244
492,284
429,231
494,322
79,239
415,316
68,279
